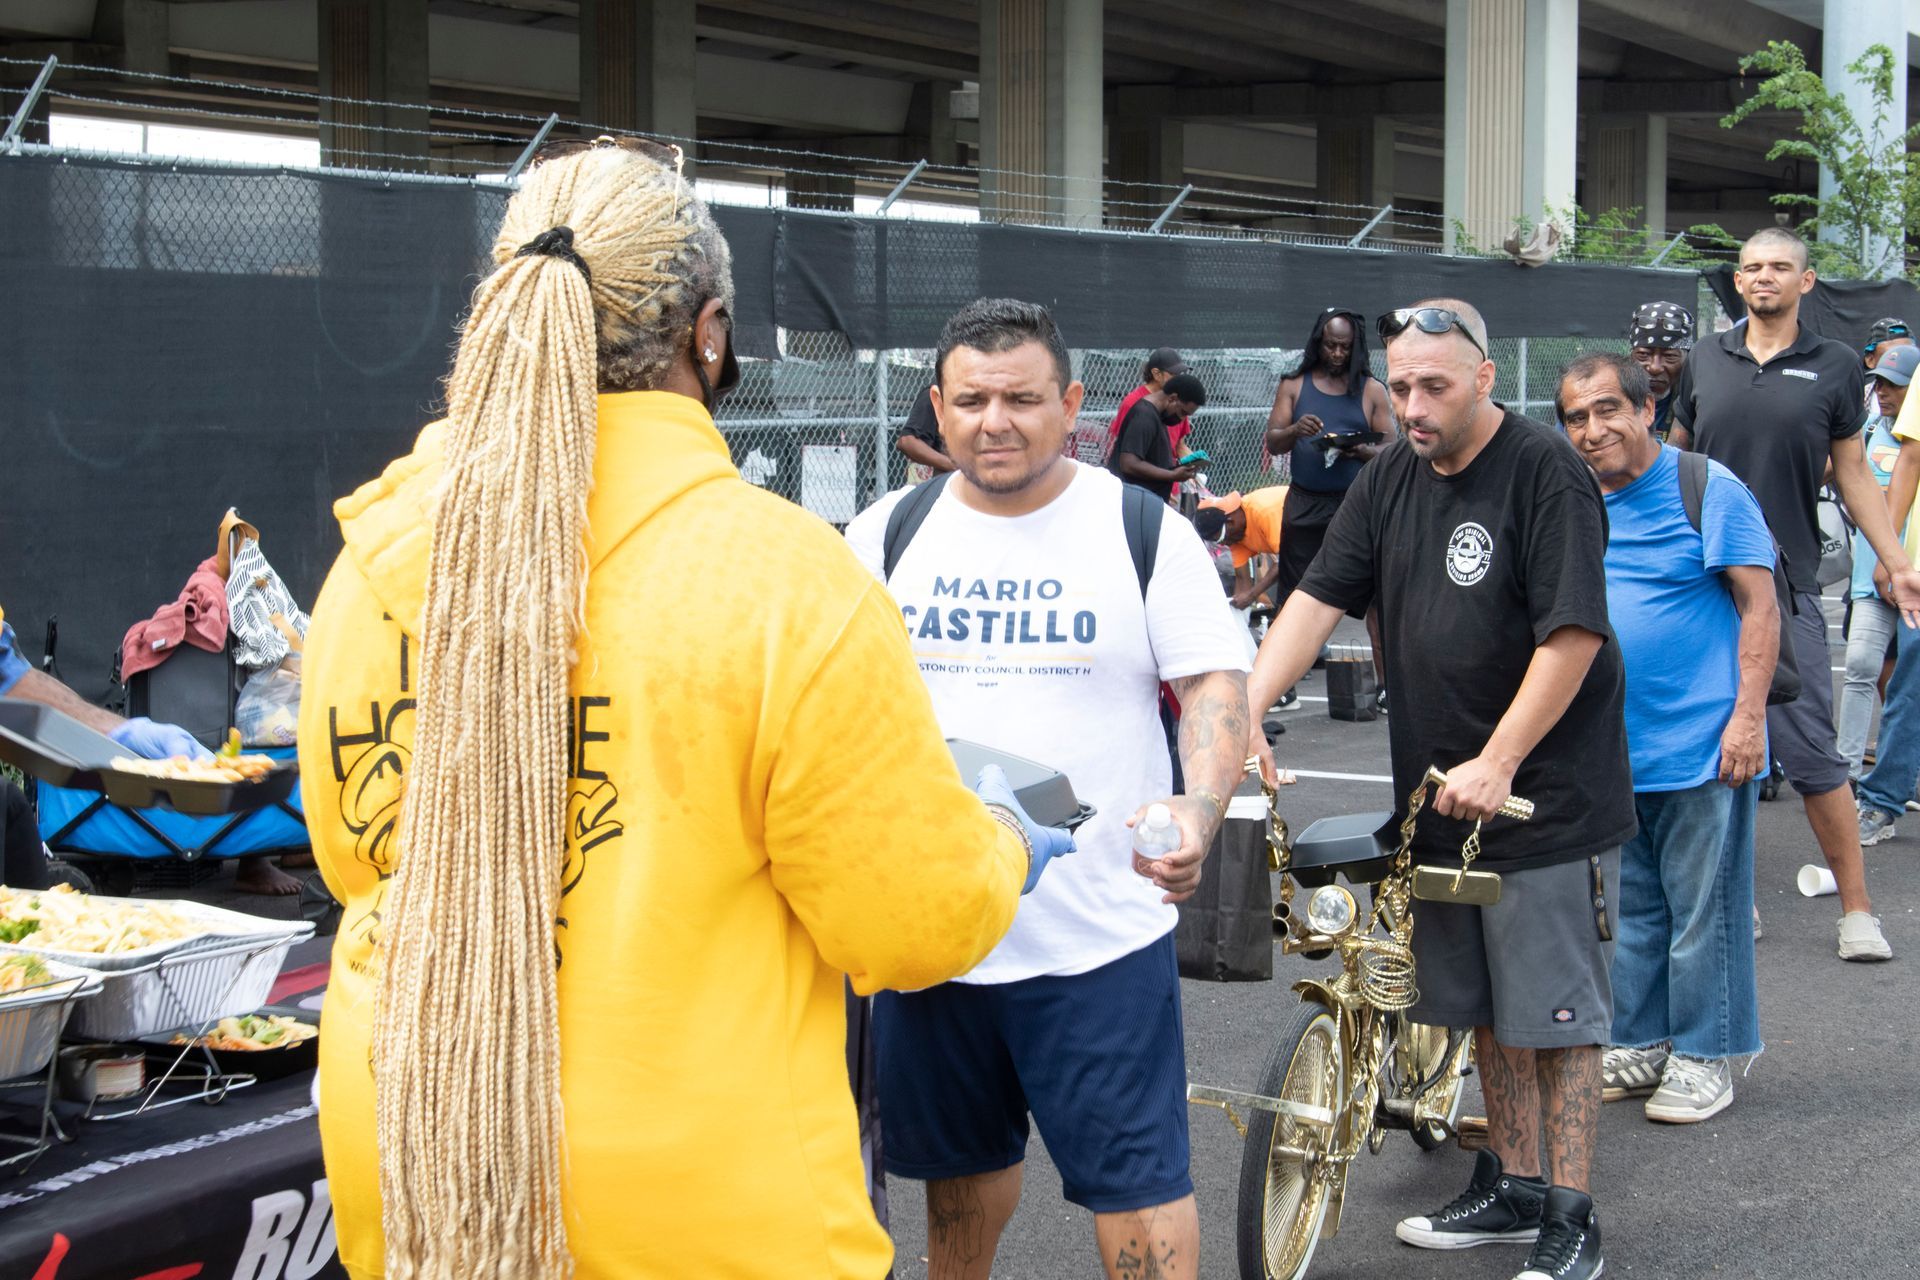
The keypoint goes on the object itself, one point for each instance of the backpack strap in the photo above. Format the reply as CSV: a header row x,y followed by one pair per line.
x,y
1141,513
1693,485
905,520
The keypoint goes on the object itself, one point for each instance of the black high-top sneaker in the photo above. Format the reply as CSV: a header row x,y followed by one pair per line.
x,y
1569,1243
1496,1208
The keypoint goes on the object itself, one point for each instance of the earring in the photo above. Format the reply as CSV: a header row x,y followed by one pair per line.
x,y
711,357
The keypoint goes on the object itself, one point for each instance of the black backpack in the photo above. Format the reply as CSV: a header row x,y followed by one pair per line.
x,y
1140,515
1786,675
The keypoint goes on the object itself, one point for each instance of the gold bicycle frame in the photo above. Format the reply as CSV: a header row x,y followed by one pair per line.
x,y
1362,1002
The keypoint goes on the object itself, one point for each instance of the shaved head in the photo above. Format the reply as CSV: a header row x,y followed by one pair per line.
x,y
1469,316
1774,239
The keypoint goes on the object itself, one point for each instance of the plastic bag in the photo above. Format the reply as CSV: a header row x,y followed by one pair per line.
x,y
267,713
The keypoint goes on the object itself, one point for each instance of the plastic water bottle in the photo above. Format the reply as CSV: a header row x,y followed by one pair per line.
x,y
1156,835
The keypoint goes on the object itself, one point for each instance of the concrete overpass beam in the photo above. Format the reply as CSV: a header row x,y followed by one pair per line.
x,y
1511,96
1041,110
637,65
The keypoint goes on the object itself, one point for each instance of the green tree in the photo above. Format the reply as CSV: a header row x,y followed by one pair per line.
x,y
1875,199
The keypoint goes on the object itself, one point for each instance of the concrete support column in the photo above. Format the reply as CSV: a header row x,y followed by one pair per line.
x,y
1512,85
1353,171
1626,168
1146,167
930,116
1040,110
1850,26
637,66
139,28
373,51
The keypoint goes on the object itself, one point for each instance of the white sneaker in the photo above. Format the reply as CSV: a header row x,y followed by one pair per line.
x,y
1860,938
1631,1073
1691,1090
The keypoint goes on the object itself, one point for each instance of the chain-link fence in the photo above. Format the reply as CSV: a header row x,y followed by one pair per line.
x,y
818,426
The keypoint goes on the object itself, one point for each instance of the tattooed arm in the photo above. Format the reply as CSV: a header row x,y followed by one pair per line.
x,y
1213,754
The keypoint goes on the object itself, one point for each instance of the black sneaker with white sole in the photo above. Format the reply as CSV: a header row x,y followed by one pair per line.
x,y
1496,1208
1569,1243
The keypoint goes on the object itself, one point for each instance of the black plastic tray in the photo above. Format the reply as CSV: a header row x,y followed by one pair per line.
x,y
267,1064
57,749
1358,846
1044,793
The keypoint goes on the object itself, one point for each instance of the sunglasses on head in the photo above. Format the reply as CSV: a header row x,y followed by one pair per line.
x,y
1434,320
663,152
1892,331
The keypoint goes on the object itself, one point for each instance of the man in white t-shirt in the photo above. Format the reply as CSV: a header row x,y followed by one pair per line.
x,y
1023,594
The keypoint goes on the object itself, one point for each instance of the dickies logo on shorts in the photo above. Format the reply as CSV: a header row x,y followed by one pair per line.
x,y
1563,1015
1469,554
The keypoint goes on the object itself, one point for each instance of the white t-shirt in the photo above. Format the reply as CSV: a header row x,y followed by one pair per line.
x,y
1033,639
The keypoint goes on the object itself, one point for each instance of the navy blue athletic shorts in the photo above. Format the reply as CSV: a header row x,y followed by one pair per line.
x,y
1098,1058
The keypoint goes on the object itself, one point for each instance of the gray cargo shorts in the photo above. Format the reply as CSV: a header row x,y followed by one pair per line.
x,y
1801,733
1535,966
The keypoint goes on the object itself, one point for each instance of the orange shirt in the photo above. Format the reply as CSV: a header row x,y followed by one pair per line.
x,y
1262,538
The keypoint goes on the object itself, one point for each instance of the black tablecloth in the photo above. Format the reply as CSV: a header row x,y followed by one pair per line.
x,y
192,1191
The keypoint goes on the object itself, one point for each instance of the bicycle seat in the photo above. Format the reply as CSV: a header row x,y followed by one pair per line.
x,y
1358,846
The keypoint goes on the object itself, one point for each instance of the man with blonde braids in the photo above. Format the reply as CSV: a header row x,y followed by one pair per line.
x,y
605,846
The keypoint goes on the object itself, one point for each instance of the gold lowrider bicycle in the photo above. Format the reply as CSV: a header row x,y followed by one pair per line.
x,y
1348,1065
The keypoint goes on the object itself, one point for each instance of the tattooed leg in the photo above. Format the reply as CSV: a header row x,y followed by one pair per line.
x,y
1570,1090
965,1217
1150,1244
1509,1081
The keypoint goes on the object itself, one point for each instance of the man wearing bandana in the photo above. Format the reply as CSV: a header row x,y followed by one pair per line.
x,y
1662,334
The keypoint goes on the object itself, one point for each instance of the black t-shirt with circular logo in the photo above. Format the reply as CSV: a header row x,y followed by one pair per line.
x,y
1471,573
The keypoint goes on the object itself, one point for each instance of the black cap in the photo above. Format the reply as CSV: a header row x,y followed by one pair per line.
x,y
1883,328
1662,324
1166,360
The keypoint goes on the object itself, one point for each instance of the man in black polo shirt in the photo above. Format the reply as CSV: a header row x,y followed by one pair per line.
x,y
1142,454
1482,537
1774,403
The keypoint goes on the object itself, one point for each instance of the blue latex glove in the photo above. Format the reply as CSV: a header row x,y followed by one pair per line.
x,y
157,740
1048,842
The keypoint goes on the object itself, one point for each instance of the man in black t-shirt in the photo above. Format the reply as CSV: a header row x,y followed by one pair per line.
x,y
920,441
1141,453
1482,537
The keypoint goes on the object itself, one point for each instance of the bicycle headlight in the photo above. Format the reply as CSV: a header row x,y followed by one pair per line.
x,y
1331,910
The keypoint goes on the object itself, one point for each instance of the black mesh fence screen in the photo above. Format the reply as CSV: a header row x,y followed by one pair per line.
x,y
176,340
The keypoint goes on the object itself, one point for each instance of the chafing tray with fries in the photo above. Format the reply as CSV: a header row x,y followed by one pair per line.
x,y
57,749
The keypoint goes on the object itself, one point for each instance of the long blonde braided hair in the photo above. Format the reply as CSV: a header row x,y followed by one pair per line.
x,y
467,1064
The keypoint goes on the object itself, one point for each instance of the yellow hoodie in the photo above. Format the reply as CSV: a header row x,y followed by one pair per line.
x,y
761,802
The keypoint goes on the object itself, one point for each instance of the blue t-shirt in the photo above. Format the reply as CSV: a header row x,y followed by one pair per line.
x,y
1883,447
12,665
1675,619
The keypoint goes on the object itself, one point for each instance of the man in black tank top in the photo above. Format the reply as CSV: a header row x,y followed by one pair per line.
x,y
1333,397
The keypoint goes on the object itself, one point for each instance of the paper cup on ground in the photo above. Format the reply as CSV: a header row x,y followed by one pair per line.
x,y
1816,882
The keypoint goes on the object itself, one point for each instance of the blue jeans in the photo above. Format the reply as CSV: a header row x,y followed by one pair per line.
x,y
1683,965
1889,785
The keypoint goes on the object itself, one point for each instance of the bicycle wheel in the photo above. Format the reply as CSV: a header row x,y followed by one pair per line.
x,y
1283,1193
1436,1111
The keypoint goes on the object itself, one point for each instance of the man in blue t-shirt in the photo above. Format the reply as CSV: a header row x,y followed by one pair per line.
x,y
1683,972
